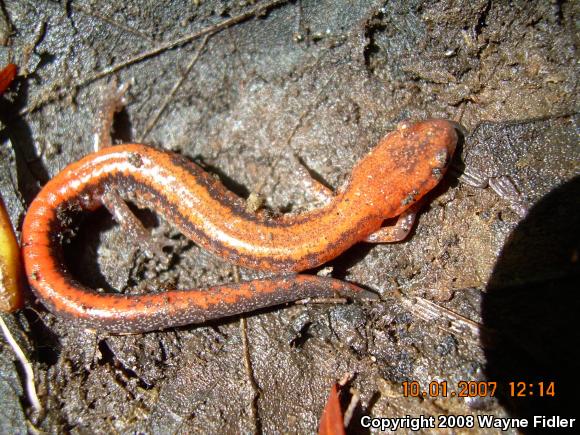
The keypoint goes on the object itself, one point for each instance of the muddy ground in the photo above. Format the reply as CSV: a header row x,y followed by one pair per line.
x,y
480,291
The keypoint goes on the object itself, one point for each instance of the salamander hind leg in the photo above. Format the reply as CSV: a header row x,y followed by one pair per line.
x,y
132,226
113,101
322,191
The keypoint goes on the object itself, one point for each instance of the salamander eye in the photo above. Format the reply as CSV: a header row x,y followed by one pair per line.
x,y
442,158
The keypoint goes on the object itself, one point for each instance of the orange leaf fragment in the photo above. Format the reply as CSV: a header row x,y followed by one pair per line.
x,y
331,422
6,76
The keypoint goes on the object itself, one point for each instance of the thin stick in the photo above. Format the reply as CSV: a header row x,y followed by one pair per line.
x,y
250,373
248,364
324,301
95,14
209,30
152,121
288,141
28,372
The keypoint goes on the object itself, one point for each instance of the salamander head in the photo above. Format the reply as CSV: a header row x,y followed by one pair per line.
x,y
429,143
406,164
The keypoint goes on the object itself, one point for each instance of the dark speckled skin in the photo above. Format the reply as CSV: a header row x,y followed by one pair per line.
x,y
403,167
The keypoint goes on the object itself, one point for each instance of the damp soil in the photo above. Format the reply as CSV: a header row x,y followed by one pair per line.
x,y
479,292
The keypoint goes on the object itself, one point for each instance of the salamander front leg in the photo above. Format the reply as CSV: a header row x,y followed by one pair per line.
x,y
399,230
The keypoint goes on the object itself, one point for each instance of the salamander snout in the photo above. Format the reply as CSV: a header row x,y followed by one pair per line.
x,y
443,136
437,139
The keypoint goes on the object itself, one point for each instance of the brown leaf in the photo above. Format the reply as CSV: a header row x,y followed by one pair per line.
x,y
331,422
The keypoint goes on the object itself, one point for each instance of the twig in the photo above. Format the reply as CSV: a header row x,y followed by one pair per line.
x,y
28,372
248,364
290,136
250,373
209,30
128,29
152,121
354,400
311,301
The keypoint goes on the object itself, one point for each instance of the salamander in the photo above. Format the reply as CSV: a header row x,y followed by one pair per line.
x,y
394,175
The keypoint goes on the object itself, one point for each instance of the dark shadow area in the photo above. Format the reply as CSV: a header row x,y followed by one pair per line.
x,y
122,127
80,253
230,184
301,336
312,173
29,167
108,358
45,342
531,310
341,264
354,427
